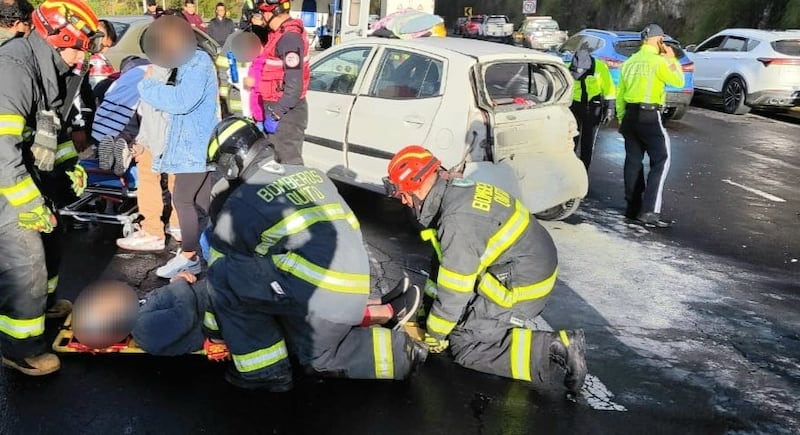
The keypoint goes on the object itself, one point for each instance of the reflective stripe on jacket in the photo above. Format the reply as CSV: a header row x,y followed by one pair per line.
x,y
30,71
293,235
489,243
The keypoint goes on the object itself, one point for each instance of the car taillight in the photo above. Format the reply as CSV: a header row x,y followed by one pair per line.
x,y
688,67
612,63
767,61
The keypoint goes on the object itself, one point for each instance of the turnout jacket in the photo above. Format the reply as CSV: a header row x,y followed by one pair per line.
x,y
286,235
487,242
34,78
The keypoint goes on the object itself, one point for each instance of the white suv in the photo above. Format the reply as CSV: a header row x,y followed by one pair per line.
x,y
499,113
749,68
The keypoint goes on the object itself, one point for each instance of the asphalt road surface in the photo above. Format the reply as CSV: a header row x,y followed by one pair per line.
x,y
694,329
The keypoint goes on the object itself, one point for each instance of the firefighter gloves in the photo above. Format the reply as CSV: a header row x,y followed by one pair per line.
x,y
435,345
39,219
45,142
79,179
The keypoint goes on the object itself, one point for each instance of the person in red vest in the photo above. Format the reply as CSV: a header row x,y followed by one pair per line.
x,y
284,81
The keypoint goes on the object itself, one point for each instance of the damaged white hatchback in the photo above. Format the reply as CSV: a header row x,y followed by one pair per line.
x,y
495,112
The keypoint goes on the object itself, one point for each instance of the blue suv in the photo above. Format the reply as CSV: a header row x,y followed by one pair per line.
x,y
614,47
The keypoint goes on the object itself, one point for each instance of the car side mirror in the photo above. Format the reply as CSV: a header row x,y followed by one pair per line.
x,y
691,48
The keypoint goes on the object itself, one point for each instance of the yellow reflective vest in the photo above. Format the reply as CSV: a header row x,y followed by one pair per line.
x,y
644,76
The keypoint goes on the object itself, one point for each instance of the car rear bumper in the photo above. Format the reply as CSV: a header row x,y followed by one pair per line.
x,y
675,99
776,98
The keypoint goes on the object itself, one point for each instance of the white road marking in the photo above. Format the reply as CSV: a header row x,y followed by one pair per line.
x,y
597,395
760,193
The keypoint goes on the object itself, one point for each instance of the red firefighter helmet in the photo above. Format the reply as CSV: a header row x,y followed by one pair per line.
x,y
409,169
68,24
271,6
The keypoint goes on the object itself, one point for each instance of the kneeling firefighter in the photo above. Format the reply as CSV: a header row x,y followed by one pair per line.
x,y
495,266
289,272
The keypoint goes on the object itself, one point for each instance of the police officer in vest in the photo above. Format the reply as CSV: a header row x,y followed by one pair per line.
x,y
284,81
592,100
640,100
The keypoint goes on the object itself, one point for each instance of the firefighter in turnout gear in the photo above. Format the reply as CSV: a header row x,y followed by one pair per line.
x,y
496,266
289,273
284,81
35,104
640,101
592,101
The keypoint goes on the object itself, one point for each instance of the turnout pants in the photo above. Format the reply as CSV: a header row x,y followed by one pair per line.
x,y
643,130
500,341
261,329
588,117
23,292
288,140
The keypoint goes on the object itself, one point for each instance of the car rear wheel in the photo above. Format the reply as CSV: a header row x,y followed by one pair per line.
x,y
675,113
733,97
561,211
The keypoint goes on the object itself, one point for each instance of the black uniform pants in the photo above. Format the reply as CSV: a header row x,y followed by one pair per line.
x,y
262,328
643,130
23,292
588,117
503,342
288,140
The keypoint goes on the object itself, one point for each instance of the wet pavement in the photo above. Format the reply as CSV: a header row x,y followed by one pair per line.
x,y
695,329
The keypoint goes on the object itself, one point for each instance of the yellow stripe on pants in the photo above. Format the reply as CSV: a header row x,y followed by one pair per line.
x,y
382,352
521,340
21,328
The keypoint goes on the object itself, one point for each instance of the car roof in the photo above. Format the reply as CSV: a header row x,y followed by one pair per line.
x,y
770,35
480,50
128,19
618,34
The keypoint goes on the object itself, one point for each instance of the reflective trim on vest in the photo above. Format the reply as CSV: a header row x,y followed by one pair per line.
x,y
261,358
382,352
439,325
52,283
521,340
213,256
21,328
339,282
429,235
455,281
300,221
21,193
210,321
506,236
65,151
501,295
12,125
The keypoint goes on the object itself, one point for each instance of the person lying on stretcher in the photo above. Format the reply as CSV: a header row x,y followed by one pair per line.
x,y
177,319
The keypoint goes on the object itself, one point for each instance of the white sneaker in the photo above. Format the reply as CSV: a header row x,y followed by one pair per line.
x,y
179,264
141,241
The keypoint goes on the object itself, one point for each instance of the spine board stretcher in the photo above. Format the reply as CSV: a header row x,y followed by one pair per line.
x,y
66,342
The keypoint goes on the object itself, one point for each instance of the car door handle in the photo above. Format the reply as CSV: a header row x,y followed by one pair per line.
x,y
413,121
333,110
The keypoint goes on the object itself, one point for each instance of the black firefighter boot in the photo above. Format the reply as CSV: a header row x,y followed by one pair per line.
x,y
568,350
